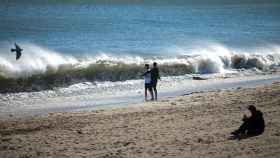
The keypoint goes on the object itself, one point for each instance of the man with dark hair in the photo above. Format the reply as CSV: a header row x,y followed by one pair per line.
x,y
155,76
253,125
148,82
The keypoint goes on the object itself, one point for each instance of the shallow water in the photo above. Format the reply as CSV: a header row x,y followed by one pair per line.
x,y
73,100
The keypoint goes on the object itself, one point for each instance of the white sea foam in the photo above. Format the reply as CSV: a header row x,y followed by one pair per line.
x,y
209,58
34,60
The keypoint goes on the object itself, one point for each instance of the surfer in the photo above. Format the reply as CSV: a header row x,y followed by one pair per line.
x,y
18,51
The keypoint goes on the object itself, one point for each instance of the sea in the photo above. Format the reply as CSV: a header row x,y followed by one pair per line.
x,y
88,54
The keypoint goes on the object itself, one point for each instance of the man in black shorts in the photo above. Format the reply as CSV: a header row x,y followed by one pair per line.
x,y
154,78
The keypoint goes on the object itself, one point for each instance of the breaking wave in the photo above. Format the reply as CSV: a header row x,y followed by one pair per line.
x,y
40,68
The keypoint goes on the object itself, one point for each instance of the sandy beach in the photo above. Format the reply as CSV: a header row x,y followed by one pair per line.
x,y
194,125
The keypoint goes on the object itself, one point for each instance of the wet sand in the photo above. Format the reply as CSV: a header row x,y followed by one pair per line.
x,y
195,125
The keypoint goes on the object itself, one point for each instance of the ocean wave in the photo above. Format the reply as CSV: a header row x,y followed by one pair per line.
x,y
40,68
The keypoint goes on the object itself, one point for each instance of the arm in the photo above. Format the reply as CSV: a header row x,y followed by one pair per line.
x,y
158,76
146,73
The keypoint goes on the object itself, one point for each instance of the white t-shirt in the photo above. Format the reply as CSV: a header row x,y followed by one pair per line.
x,y
147,77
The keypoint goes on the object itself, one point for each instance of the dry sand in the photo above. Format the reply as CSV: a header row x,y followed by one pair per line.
x,y
196,125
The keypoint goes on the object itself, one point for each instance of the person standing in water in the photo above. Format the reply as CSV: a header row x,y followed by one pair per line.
x,y
147,79
154,79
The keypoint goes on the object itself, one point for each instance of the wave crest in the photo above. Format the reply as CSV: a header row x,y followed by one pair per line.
x,y
36,60
40,68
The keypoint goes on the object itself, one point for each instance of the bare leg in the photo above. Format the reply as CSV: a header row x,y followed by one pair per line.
x,y
145,94
151,93
155,91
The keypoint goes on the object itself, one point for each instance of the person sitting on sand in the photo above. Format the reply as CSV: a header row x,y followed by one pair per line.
x,y
253,125
147,78
155,76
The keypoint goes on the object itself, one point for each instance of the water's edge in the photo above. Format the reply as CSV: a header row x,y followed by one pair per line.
x,y
65,104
